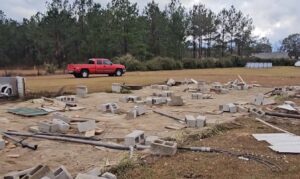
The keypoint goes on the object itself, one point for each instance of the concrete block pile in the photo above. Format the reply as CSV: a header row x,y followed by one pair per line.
x,y
193,122
230,107
44,172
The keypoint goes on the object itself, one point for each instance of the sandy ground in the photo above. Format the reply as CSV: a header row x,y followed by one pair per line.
x,y
80,158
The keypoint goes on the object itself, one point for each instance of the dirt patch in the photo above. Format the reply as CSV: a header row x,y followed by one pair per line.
x,y
215,165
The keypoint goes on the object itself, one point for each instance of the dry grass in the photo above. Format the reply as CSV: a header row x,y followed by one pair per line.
x,y
268,77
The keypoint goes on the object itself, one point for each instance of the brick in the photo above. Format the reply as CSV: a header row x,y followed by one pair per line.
x,y
48,127
62,117
116,88
163,148
134,138
63,127
39,172
150,139
17,174
81,91
109,175
86,126
176,101
62,173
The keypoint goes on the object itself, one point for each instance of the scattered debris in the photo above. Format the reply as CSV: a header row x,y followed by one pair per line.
x,y
110,107
176,101
135,112
12,87
81,91
171,82
230,107
28,112
281,142
163,148
134,138
86,126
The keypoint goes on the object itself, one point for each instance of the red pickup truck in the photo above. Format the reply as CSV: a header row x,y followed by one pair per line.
x,y
96,66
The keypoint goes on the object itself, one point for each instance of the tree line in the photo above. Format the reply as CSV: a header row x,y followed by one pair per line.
x,y
73,32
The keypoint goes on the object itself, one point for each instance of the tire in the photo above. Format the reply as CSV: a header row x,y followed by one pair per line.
x,y
76,75
119,72
85,73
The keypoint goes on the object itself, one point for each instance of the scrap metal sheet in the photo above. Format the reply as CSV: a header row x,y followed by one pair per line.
x,y
28,112
281,142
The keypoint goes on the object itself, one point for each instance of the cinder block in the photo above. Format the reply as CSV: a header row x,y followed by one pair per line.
x,y
200,121
136,137
150,139
163,87
67,99
62,173
257,112
136,111
63,127
2,143
230,107
86,126
17,174
109,175
110,107
163,148
197,96
62,117
190,121
87,176
259,99
116,88
176,101
40,172
167,94
81,91
48,127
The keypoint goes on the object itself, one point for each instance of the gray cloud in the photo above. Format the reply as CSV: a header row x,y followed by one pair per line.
x,y
274,19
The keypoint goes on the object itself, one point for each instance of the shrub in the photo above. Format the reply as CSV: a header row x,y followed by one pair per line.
x,y
163,63
131,63
50,68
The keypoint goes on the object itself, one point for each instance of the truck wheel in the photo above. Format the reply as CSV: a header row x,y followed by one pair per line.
x,y
85,73
119,72
77,75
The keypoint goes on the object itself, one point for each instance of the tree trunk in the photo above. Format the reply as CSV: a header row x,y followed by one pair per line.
x,y
194,46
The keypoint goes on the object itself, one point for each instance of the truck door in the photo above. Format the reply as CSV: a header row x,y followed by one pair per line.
x,y
100,67
108,66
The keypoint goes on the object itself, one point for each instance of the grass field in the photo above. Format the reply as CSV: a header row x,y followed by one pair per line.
x,y
276,76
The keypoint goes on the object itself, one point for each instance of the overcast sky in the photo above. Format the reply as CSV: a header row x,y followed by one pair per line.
x,y
274,19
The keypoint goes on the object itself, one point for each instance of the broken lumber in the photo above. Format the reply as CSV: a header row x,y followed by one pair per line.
x,y
294,116
168,115
272,126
